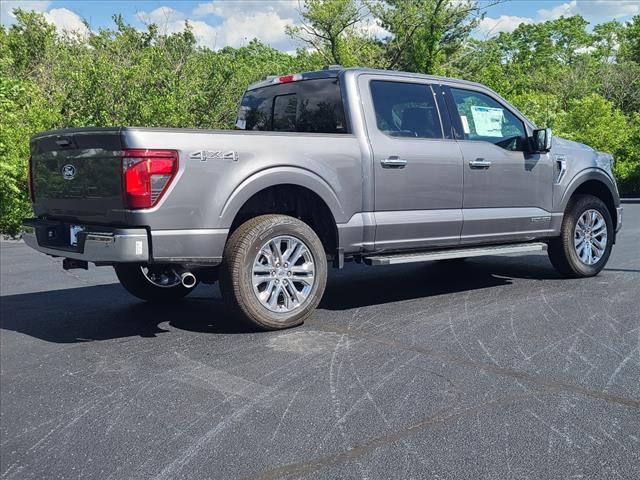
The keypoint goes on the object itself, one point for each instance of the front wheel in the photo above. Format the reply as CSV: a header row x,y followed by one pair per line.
x,y
586,238
274,271
153,283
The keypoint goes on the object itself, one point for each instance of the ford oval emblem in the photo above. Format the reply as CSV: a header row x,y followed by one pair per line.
x,y
68,172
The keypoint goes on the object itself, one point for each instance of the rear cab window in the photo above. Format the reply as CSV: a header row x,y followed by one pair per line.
x,y
313,106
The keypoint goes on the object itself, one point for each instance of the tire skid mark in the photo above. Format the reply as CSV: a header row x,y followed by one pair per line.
x,y
606,347
196,372
383,381
334,379
552,428
284,414
186,455
63,426
368,395
358,451
620,366
453,330
549,384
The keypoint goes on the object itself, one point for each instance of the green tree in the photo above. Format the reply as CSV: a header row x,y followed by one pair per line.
x,y
29,40
424,33
327,26
607,38
541,108
585,85
630,46
595,121
24,111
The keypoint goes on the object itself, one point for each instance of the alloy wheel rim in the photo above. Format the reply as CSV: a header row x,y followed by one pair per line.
x,y
161,277
283,274
590,237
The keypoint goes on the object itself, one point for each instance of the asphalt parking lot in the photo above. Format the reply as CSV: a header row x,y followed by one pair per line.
x,y
496,368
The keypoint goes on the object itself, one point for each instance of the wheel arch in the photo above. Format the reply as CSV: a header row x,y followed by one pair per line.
x,y
596,183
281,176
289,191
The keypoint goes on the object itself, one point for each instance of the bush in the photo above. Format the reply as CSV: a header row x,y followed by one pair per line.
x,y
115,77
23,112
123,76
539,107
596,122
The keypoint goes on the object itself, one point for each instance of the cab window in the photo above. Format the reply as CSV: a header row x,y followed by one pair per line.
x,y
485,119
284,112
302,106
405,109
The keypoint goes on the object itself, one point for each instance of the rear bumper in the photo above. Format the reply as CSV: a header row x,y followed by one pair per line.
x,y
99,244
95,244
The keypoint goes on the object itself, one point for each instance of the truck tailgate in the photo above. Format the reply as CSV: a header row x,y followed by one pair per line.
x,y
77,175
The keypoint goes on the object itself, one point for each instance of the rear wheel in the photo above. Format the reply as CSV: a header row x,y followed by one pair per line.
x,y
274,271
153,283
586,237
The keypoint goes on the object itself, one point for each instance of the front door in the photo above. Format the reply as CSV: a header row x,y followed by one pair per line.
x,y
507,189
418,172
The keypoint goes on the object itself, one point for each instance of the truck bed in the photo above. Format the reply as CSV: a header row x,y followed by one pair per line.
x,y
217,172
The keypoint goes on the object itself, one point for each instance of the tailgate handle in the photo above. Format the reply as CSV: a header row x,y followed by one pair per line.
x,y
63,141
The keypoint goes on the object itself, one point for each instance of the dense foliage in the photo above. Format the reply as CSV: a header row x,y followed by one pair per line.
x,y
584,84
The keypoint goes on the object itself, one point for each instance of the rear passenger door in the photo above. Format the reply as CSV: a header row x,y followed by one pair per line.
x,y
417,169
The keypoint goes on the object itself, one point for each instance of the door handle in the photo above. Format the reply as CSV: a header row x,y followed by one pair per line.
x,y
393,162
480,163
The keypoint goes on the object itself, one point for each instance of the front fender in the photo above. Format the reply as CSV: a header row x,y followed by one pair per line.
x,y
585,176
271,177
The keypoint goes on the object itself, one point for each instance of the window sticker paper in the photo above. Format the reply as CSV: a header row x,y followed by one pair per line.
x,y
487,120
465,124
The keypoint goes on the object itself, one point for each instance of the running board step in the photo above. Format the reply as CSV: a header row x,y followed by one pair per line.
x,y
393,259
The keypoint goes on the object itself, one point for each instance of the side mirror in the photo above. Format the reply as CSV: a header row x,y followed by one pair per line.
x,y
542,140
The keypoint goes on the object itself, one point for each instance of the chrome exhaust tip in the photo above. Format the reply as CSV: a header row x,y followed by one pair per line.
x,y
188,279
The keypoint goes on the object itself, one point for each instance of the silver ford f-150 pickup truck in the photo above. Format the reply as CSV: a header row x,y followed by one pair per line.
x,y
341,164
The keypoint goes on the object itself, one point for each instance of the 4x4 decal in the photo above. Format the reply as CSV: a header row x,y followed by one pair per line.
x,y
204,155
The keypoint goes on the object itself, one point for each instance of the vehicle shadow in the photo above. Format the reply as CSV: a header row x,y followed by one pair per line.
x,y
362,286
108,312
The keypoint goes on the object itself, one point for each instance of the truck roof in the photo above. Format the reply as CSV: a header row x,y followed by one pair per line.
x,y
334,71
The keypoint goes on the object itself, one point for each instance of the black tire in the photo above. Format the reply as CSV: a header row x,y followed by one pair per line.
x,y
561,250
134,281
236,270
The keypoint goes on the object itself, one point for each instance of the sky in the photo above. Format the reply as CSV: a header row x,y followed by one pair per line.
x,y
220,23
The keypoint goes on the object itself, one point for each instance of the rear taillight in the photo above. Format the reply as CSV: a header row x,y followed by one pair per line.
x,y
32,193
146,175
